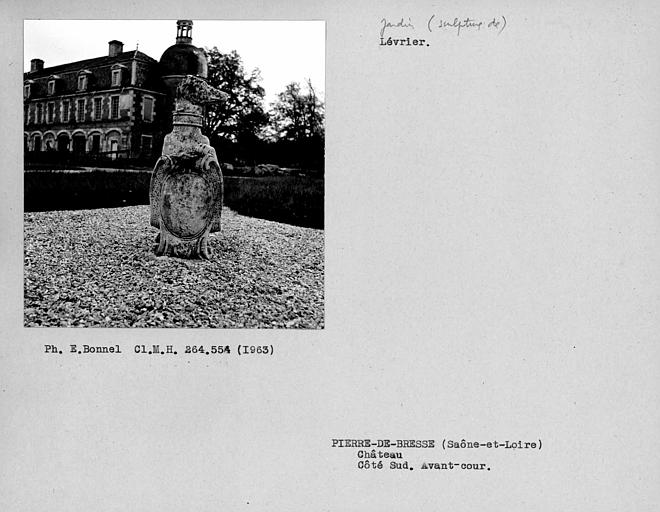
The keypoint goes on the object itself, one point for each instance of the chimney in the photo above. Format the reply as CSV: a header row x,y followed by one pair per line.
x,y
184,31
36,65
115,48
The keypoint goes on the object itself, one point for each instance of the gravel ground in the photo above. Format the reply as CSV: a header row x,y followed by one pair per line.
x,y
95,268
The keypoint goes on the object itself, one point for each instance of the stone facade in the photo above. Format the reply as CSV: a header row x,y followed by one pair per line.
x,y
112,106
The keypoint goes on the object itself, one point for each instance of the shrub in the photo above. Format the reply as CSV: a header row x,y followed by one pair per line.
x,y
85,189
290,199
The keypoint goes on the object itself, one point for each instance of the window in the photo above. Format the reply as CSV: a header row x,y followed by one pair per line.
x,y
40,112
65,111
114,147
26,91
148,109
63,142
82,82
116,77
96,143
146,145
51,87
37,143
114,107
78,144
51,112
97,108
80,110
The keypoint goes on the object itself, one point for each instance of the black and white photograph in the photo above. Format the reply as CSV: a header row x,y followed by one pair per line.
x,y
326,256
174,173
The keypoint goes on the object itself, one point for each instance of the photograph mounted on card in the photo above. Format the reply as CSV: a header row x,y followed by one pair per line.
x,y
171,182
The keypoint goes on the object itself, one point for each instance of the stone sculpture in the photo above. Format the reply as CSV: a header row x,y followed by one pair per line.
x,y
186,185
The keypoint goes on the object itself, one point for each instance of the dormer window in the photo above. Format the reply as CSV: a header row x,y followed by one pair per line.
x,y
27,91
117,72
83,81
52,84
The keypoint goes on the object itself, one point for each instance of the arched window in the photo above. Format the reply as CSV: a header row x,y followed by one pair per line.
x,y
63,142
79,143
36,142
49,142
95,143
113,143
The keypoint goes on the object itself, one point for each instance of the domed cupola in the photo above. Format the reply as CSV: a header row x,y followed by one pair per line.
x,y
182,58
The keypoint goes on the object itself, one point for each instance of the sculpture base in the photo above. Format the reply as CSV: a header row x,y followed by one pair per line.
x,y
170,245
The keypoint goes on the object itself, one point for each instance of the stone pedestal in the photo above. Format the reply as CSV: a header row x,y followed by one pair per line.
x,y
186,185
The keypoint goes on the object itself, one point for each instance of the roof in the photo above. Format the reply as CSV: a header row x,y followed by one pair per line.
x,y
184,59
145,75
96,62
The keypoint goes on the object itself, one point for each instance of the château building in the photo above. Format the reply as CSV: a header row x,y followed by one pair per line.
x,y
114,106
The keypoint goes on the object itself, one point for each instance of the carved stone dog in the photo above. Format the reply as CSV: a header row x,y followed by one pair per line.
x,y
198,91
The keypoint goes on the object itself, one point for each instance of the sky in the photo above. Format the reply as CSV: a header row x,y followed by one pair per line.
x,y
284,51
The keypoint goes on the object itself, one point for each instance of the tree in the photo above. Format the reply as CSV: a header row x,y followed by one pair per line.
x,y
298,116
241,118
